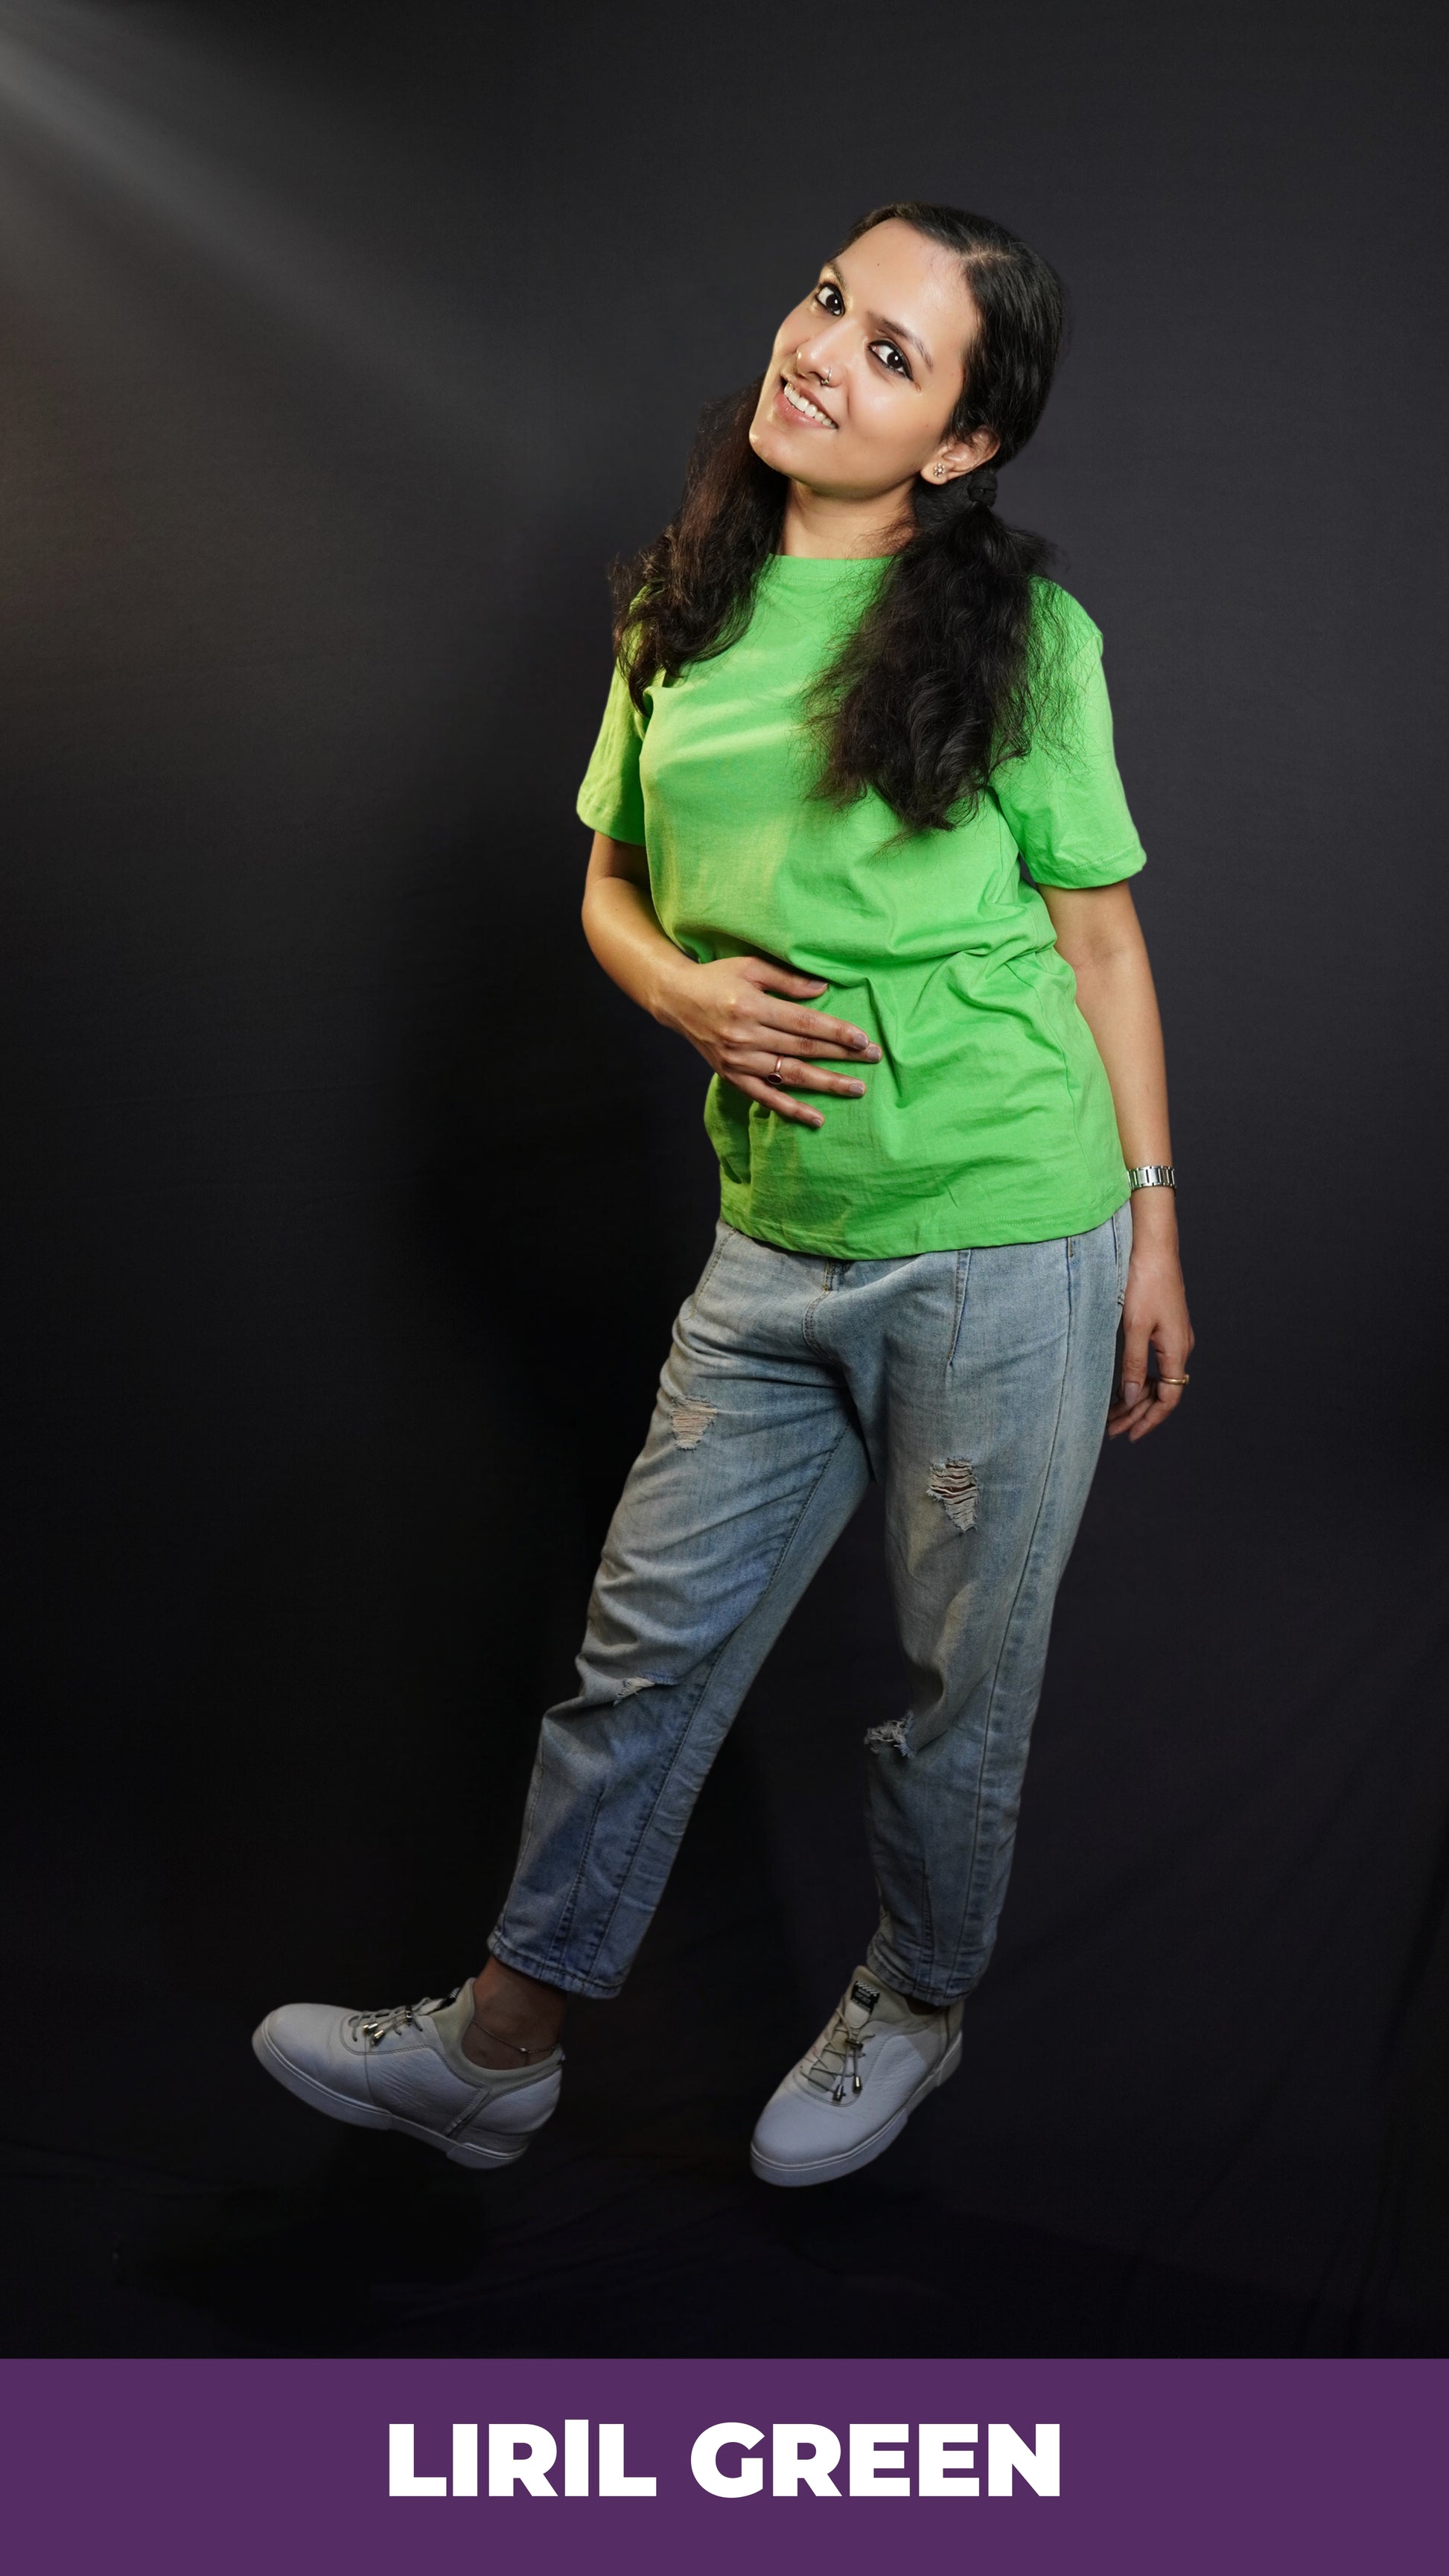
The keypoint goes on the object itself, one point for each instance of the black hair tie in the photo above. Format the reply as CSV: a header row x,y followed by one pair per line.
x,y
980,487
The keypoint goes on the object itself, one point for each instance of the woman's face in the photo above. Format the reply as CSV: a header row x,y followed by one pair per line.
x,y
867,371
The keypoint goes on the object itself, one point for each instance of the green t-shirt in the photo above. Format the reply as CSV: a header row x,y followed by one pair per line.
x,y
989,1118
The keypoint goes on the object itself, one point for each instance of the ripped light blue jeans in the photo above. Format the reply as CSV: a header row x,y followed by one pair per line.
x,y
974,1386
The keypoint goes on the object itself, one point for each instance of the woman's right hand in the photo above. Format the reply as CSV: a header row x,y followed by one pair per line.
x,y
744,1016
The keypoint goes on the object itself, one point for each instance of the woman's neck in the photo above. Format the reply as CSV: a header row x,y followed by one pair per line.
x,y
833,525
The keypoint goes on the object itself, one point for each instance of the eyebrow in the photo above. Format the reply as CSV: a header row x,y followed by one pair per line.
x,y
883,322
898,331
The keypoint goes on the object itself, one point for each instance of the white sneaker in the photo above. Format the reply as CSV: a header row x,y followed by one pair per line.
x,y
856,2088
405,2069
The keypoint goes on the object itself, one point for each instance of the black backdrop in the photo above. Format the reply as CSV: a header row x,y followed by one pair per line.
x,y
348,1205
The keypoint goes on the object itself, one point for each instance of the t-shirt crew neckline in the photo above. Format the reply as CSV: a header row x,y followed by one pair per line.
x,y
805,571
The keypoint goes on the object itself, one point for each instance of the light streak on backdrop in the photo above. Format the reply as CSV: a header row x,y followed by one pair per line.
x,y
157,128
254,451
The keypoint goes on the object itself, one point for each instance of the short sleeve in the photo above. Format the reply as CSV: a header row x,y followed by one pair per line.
x,y
610,799
1064,802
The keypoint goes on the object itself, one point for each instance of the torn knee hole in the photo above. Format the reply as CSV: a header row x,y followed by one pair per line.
x,y
691,1421
890,1738
953,1485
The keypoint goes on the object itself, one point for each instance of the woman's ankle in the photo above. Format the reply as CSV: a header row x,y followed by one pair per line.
x,y
516,2019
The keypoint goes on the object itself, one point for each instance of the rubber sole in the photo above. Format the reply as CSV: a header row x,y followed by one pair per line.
x,y
865,2151
369,2115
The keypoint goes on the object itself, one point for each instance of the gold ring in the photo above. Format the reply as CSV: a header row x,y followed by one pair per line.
x,y
1174,1381
776,1075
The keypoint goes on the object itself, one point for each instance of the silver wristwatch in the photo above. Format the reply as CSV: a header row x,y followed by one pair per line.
x,y
1152,1176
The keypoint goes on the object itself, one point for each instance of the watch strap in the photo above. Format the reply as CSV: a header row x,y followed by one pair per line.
x,y
1152,1176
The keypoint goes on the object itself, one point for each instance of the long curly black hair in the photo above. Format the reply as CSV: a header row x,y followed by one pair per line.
x,y
948,673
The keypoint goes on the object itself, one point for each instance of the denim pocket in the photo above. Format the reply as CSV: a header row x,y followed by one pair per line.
x,y
1122,1245
963,1273
722,1236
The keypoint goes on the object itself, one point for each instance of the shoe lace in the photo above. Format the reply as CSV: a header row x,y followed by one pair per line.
x,y
836,2059
375,2027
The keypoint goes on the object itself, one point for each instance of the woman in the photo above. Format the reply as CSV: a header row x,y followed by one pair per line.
x,y
847,706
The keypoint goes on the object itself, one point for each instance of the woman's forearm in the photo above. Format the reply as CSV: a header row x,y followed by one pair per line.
x,y
1118,1001
1099,935
624,932
746,1016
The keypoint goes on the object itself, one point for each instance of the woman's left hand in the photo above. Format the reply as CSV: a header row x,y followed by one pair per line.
x,y
1154,1315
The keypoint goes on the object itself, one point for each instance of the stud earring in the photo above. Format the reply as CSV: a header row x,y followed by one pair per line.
x,y
940,473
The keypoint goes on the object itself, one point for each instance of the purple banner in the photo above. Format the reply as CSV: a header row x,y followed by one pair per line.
x,y
1170,2468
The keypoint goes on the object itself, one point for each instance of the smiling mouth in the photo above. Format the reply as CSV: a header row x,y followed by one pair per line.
x,y
802,403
